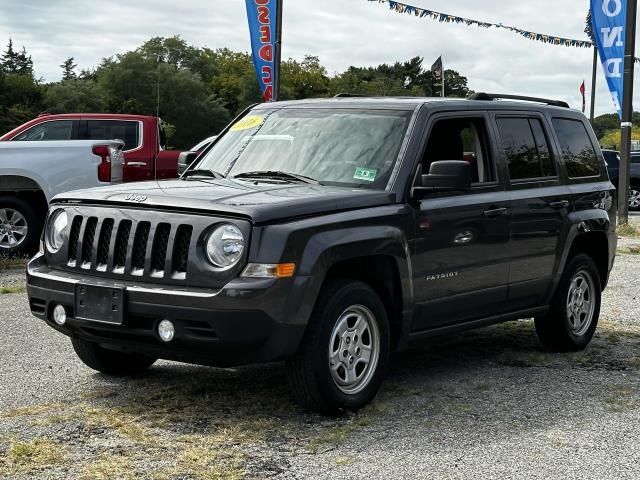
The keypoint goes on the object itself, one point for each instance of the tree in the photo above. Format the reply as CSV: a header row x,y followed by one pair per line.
x,y
68,67
455,85
9,59
75,96
24,63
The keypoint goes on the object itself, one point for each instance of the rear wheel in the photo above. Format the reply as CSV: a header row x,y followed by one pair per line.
x,y
110,361
344,356
20,227
634,197
573,317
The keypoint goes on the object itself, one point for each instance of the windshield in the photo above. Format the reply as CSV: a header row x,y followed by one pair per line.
x,y
335,147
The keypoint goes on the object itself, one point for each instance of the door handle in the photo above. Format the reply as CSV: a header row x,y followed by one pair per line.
x,y
495,212
136,164
560,204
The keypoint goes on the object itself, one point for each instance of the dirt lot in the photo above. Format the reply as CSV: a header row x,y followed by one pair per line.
x,y
488,404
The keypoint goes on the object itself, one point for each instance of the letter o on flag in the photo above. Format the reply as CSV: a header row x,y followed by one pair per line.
x,y
617,7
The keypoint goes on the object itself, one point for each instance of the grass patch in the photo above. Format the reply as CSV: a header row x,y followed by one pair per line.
x,y
31,456
9,263
628,230
13,289
619,398
334,436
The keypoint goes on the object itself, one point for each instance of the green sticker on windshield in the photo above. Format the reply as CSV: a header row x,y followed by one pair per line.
x,y
366,174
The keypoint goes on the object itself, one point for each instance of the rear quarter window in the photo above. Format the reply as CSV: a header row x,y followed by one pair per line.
x,y
577,150
126,130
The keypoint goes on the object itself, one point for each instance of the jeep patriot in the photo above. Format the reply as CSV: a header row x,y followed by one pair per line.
x,y
329,233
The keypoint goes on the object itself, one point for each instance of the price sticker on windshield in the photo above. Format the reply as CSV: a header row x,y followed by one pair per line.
x,y
366,174
252,121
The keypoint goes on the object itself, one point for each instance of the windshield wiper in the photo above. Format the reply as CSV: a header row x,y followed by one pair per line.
x,y
277,175
202,172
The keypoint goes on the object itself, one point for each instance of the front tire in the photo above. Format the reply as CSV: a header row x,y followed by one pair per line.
x,y
20,227
573,317
110,361
344,355
634,198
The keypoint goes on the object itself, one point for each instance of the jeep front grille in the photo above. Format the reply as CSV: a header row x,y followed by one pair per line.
x,y
137,248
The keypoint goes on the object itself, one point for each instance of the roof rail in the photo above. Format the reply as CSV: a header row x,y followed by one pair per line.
x,y
496,96
347,95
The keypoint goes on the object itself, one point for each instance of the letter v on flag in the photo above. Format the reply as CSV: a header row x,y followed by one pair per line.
x,y
262,16
609,22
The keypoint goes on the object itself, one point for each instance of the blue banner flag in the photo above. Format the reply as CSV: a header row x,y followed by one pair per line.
x,y
262,16
609,24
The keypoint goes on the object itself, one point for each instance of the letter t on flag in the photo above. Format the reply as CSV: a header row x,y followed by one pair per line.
x,y
584,100
264,27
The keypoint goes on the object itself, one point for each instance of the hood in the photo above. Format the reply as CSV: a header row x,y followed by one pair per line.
x,y
258,201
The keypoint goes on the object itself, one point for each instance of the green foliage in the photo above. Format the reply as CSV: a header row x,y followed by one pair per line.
x,y
195,90
612,138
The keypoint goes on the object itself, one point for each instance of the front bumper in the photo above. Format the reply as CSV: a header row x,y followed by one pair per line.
x,y
244,322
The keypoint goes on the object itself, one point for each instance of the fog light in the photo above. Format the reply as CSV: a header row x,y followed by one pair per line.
x,y
166,330
59,315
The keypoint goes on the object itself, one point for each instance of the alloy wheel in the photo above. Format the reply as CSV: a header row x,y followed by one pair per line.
x,y
13,228
580,303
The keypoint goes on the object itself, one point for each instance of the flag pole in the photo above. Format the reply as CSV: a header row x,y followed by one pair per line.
x,y
442,77
594,75
278,52
627,112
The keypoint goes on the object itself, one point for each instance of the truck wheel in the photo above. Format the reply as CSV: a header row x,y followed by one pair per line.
x,y
575,308
634,197
343,357
20,227
110,361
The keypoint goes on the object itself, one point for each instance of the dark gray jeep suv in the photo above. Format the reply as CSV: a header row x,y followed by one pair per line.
x,y
329,233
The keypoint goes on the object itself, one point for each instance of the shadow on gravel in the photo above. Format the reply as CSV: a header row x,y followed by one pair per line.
x,y
181,421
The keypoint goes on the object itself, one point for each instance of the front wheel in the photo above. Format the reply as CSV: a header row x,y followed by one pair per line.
x,y
575,308
343,358
110,362
20,227
634,197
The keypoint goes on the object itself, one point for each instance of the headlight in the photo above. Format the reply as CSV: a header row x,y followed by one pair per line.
x,y
57,230
225,246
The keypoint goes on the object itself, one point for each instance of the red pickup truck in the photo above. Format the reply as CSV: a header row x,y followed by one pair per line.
x,y
144,140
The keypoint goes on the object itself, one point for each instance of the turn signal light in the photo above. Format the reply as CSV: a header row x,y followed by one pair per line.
x,y
269,270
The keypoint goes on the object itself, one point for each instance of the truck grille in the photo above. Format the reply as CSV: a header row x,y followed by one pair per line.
x,y
137,248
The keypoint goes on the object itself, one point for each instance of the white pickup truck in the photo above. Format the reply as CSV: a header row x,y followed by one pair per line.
x,y
32,173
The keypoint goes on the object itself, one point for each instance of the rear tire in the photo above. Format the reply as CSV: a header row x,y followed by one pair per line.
x,y
344,355
20,227
110,361
573,316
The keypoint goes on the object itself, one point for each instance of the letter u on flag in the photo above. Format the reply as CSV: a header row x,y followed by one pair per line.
x,y
262,17
608,18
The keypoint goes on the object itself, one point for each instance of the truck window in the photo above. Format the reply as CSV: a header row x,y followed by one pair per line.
x,y
126,130
53,130
577,150
461,139
526,148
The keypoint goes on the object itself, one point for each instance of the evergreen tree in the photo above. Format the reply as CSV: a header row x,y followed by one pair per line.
x,y
24,63
9,59
68,68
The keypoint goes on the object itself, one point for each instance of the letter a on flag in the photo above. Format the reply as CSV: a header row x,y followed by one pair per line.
x,y
262,17
608,18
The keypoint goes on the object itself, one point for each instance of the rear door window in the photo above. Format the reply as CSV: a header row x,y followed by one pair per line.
x,y
576,147
53,130
526,148
125,130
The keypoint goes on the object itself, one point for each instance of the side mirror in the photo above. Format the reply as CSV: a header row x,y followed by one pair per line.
x,y
185,159
444,176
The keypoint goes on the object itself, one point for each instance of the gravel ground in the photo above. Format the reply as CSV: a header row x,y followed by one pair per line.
x,y
487,404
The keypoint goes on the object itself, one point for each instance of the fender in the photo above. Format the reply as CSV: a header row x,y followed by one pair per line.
x,y
580,223
325,249
13,180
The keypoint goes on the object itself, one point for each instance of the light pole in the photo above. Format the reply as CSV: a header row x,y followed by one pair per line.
x,y
627,112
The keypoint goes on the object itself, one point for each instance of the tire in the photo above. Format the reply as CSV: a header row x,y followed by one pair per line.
x,y
20,227
573,316
634,198
349,317
110,361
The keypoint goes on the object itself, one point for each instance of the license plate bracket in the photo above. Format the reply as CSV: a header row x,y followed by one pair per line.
x,y
100,304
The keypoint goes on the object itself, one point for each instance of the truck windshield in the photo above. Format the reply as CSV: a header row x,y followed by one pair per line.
x,y
335,147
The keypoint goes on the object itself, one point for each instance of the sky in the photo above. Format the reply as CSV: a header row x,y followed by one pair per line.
x,y
340,32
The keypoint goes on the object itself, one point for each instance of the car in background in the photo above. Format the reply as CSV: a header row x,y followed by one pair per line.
x,y
612,157
187,158
145,153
